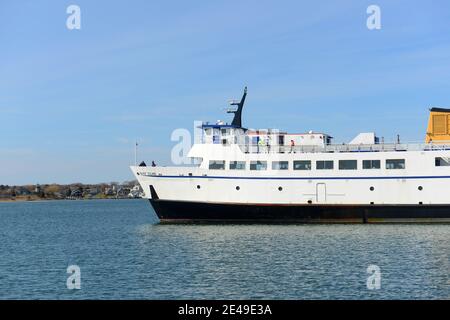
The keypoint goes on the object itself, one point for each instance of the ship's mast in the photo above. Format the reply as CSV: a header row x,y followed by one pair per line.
x,y
237,120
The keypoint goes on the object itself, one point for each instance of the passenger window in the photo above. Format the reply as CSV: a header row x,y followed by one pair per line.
x,y
395,164
237,165
324,165
302,165
280,165
258,165
348,165
217,164
371,164
441,162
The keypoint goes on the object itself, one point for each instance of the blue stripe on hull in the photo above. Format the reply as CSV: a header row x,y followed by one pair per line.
x,y
303,178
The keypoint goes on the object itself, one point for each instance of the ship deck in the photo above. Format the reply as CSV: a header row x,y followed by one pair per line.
x,y
338,148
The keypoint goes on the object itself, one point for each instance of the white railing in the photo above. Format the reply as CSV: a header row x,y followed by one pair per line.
x,y
335,148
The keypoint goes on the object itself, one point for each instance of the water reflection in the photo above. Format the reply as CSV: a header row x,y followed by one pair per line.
x,y
124,255
300,261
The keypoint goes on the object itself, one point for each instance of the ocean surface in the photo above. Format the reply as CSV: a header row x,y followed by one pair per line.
x,y
123,253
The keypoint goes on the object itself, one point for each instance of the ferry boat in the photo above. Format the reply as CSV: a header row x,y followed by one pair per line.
x,y
270,176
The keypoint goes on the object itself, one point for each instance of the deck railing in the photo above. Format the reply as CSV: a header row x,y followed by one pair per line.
x,y
336,148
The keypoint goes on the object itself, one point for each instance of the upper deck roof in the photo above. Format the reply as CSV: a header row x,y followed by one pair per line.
x,y
220,126
439,109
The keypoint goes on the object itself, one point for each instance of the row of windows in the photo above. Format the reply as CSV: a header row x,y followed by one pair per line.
x,y
306,164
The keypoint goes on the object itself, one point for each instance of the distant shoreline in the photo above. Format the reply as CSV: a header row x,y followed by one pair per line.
x,y
75,191
43,199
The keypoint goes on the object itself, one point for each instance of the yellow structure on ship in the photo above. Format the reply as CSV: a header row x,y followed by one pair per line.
x,y
438,130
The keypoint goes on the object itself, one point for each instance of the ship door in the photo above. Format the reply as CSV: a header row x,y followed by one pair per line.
x,y
321,193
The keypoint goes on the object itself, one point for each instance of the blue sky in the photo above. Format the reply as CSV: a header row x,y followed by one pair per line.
x,y
72,102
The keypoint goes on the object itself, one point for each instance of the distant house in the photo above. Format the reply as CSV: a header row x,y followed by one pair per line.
x,y
94,190
37,189
91,191
76,193
122,192
22,191
136,192
109,192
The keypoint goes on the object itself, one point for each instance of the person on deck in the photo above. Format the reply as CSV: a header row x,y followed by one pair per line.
x,y
292,146
261,145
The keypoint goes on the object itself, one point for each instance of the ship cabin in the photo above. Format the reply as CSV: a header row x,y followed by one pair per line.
x,y
250,140
226,134
222,133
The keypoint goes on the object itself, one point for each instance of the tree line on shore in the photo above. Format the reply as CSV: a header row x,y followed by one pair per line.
x,y
114,190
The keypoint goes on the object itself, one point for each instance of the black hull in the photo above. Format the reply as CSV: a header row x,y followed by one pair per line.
x,y
202,212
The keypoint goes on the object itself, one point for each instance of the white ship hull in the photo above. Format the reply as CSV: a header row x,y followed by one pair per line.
x,y
420,192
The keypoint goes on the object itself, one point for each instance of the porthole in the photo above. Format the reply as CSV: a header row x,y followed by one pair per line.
x,y
372,188
371,203
309,201
198,186
280,189
420,188
238,188
420,202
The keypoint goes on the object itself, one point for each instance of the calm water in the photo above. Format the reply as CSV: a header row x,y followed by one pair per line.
x,y
123,254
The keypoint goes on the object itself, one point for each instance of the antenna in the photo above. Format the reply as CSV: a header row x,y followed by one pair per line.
x,y
135,153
